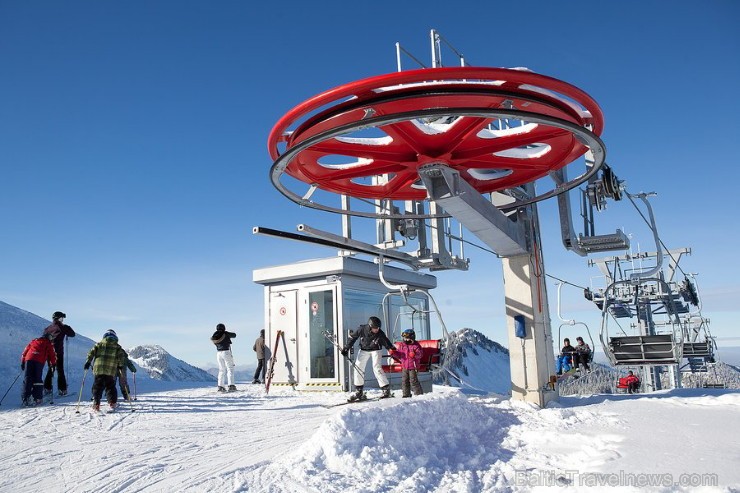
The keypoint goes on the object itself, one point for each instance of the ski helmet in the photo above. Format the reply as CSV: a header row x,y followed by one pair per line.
x,y
374,322
409,334
110,334
220,327
58,315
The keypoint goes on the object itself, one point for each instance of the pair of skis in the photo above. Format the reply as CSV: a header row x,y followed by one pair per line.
x,y
345,403
273,360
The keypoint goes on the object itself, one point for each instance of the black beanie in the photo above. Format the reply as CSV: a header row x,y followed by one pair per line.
x,y
220,327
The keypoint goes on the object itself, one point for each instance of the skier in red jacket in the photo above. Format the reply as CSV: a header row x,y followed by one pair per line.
x,y
633,382
39,352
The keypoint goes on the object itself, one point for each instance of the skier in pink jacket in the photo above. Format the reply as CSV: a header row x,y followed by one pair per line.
x,y
409,353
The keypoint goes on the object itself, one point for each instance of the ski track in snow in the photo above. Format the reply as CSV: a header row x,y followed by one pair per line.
x,y
150,449
201,441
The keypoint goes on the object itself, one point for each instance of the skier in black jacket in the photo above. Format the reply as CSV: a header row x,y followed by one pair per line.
x,y
222,339
57,332
372,341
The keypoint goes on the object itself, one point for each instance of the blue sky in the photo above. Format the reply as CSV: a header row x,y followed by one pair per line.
x,y
133,146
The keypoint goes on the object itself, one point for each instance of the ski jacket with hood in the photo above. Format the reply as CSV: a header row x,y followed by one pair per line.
x,y
369,341
409,354
108,356
259,346
40,350
222,339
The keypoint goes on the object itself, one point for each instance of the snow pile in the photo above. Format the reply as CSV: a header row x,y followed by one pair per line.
x,y
449,442
403,446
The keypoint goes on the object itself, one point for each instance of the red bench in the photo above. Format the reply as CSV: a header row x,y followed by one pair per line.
x,y
431,356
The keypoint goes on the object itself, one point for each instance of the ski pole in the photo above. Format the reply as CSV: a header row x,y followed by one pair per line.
x,y
79,397
11,386
51,398
331,340
134,385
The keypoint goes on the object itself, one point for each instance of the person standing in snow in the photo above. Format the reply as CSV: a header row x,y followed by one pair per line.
x,y
372,341
108,359
37,353
58,331
259,348
222,339
409,353
565,360
122,377
583,354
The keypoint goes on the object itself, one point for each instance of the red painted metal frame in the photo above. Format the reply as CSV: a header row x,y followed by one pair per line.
x,y
460,147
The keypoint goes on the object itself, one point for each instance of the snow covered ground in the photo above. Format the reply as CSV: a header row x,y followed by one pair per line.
x,y
194,439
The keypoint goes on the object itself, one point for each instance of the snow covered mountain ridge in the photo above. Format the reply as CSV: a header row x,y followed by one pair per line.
x,y
474,362
161,365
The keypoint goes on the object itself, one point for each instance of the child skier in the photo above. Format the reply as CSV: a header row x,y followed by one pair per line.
x,y
409,353
122,378
109,357
39,352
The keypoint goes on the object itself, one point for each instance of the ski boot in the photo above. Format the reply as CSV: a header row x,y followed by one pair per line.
x,y
358,396
96,406
386,392
62,393
113,406
221,389
232,388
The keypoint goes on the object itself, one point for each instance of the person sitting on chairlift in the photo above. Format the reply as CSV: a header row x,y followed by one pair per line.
x,y
633,382
565,360
583,354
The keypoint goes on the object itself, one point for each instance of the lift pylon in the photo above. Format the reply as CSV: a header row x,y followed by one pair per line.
x,y
463,143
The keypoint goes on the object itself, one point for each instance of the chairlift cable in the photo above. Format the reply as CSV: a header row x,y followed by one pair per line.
x,y
463,240
565,282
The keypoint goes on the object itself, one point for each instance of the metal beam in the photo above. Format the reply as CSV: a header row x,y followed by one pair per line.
x,y
340,243
458,198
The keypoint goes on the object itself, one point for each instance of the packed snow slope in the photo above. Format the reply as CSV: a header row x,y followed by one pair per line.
x,y
18,327
197,440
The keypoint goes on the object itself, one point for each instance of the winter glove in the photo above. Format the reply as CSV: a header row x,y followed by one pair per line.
x,y
134,370
391,352
87,365
344,351
23,365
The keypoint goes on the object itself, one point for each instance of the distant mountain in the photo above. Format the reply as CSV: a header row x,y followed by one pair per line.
x,y
475,362
161,365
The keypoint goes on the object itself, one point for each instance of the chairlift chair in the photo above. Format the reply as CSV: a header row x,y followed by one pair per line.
x,y
573,323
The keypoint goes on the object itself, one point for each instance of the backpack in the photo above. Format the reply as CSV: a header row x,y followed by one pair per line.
x,y
54,331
